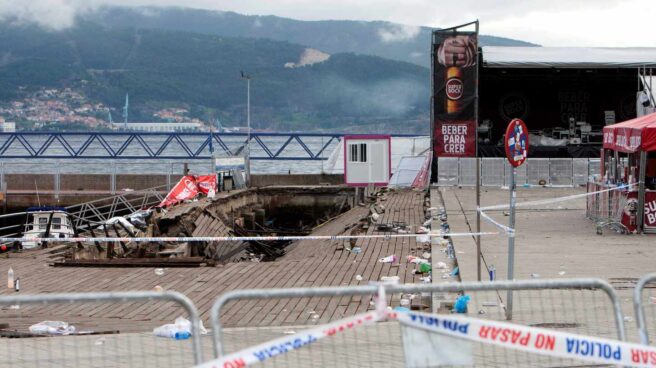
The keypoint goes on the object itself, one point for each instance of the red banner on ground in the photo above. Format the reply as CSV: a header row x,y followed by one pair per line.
x,y
184,190
206,183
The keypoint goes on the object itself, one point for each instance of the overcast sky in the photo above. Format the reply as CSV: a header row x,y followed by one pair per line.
x,y
547,22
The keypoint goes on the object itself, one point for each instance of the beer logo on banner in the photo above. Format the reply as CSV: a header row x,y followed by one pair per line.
x,y
516,142
631,207
454,88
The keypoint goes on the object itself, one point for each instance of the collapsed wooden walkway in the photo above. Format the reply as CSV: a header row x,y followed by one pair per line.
x,y
306,264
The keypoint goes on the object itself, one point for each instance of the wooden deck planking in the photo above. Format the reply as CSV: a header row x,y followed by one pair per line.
x,y
307,264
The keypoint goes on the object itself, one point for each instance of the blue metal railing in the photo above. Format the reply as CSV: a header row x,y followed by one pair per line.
x,y
144,145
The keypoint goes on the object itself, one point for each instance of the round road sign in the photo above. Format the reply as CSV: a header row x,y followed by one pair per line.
x,y
516,142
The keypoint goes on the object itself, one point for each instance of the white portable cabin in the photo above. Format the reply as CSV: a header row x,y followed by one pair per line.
x,y
367,160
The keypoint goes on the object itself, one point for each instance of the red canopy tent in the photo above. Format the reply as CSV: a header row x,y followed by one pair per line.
x,y
633,137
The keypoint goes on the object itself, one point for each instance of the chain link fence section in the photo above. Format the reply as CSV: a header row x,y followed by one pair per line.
x,y
644,303
111,330
495,171
245,318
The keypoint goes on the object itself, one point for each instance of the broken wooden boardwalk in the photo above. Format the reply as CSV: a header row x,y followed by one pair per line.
x,y
306,264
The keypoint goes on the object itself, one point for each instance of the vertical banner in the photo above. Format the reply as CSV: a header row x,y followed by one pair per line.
x,y
455,79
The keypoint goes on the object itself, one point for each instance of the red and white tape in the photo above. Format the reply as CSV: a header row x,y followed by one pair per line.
x,y
557,344
535,340
283,345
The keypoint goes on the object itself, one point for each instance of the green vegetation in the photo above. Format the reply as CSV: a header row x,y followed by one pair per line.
x,y
173,57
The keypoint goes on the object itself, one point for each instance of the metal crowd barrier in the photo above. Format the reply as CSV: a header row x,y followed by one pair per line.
x,y
495,171
101,336
645,310
244,318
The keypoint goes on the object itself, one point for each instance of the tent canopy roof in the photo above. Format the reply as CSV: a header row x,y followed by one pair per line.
x,y
568,57
633,135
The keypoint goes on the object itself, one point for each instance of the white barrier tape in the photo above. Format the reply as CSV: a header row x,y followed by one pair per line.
x,y
533,340
555,200
283,345
506,229
236,238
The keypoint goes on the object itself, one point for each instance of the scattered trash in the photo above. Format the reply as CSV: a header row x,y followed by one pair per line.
x,y
359,277
289,332
628,319
179,330
159,271
455,272
315,316
440,265
388,259
100,341
312,312
561,273
535,275
426,255
493,273
427,223
390,279
461,304
482,311
52,328
10,278
404,302
15,306
416,260
423,239
401,309
356,250
422,230
375,217
426,279
489,304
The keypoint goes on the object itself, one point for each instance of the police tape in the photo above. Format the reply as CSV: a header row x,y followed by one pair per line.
x,y
557,199
532,339
235,238
511,232
265,351
506,229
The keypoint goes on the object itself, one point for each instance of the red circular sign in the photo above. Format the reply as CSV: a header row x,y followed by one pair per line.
x,y
454,89
516,142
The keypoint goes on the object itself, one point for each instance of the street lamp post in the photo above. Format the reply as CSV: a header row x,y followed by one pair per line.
x,y
247,77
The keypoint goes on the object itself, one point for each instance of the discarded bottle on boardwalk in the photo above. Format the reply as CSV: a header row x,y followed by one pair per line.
x,y
493,273
10,278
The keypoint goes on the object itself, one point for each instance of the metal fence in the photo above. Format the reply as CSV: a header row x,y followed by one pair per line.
x,y
243,318
102,337
644,303
496,171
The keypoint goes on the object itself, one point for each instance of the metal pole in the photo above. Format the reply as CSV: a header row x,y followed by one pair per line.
x,y
248,139
641,192
511,242
479,256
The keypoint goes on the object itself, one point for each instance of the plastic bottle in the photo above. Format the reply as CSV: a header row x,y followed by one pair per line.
x,y
17,284
10,278
425,267
172,331
493,273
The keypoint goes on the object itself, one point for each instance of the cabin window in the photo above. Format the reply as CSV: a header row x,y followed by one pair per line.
x,y
42,223
357,152
56,223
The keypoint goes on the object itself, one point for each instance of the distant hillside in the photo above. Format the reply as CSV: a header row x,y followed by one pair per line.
x,y
388,40
202,72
